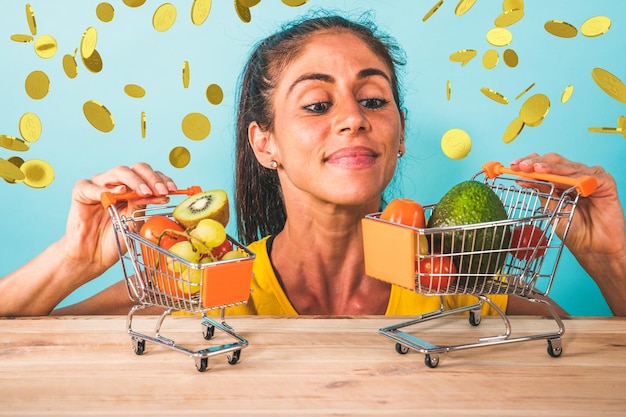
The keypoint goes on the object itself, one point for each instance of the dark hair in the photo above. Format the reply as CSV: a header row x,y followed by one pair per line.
x,y
259,204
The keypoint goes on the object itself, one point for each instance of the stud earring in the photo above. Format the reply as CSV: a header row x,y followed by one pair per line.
x,y
273,164
400,154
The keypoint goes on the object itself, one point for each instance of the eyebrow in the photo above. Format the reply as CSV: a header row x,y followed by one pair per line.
x,y
364,73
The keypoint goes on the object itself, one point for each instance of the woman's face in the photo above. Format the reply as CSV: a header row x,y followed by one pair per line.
x,y
337,130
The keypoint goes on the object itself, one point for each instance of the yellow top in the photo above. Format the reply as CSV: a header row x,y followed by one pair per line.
x,y
268,298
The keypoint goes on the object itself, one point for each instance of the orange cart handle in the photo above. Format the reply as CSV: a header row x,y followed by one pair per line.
x,y
108,198
585,185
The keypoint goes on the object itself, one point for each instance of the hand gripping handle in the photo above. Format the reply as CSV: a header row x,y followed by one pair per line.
x,y
108,198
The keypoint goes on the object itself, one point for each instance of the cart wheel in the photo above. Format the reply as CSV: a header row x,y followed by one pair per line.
x,y
235,358
201,364
208,330
139,346
431,361
554,348
474,317
401,349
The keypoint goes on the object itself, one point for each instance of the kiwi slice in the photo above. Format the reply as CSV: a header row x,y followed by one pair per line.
x,y
211,204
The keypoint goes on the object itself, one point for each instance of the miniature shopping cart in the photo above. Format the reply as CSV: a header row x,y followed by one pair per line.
x,y
158,277
532,201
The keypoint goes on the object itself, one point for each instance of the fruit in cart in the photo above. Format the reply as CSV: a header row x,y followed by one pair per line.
x,y
207,235
410,213
435,272
211,204
234,254
528,240
163,231
218,252
187,278
478,248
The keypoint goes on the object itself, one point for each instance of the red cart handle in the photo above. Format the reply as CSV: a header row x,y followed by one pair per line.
x,y
585,185
108,198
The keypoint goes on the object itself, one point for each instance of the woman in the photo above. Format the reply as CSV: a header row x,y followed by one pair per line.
x,y
320,129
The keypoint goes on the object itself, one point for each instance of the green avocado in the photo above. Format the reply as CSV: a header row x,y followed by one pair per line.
x,y
476,247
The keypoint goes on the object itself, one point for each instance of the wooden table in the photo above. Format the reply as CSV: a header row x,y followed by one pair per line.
x,y
79,366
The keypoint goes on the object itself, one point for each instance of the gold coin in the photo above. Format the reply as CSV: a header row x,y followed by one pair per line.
x,y
17,161
196,126
98,116
179,157
499,36
510,58
134,3
490,59
105,12
534,110
88,42
456,143
560,29
448,90
432,11
134,90
464,56
45,46
512,4
595,26
567,93
294,3
21,38
164,17
37,85
513,130
70,67
252,3
494,95
13,143
214,94
599,129
243,12
200,10
30,127
610,84
37,173
30,18
525,91
10,172
186,74
463,7
94,62
621,123
143,124
509,17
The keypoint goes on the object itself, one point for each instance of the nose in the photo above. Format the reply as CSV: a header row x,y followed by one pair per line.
x,y
350,116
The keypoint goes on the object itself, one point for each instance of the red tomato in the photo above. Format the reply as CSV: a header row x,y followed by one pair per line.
x,y
404,211
524,240
220,250
436,272
163,231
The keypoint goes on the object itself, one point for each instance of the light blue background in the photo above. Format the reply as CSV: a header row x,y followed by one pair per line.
x,y
134,52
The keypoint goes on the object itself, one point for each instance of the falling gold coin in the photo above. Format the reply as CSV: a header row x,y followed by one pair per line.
x,y
567,93
534,110
200,10
88,42
134,90
30,127
10,172
595,26
37,85
186,74
621,123
456,143
214,94
180,157
463,7
94,62
45,46
525,91
252,3
464,56
30,18
70,67
37,173
510,58
599,129
98,116
513,130
196,126
560,29
134,3
164,17
490,59
143,124
13,143
243,12
21,38
610,84
432,11
499,36
509,17
494,95
105,12
294,3
512,4
448,90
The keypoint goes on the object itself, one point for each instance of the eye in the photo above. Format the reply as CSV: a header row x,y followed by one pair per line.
x,y
319,107
374,103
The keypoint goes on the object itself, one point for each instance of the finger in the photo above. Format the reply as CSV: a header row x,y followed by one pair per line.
x,y
140,178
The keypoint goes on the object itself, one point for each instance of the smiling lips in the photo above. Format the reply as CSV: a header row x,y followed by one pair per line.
x,y
353,157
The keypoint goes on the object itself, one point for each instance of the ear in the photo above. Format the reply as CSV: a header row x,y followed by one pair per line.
x,y
260,141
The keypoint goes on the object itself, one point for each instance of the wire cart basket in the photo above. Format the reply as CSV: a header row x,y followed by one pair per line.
x,y
488,260
157,277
